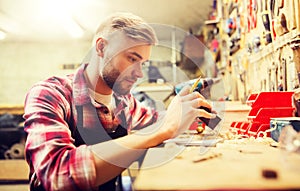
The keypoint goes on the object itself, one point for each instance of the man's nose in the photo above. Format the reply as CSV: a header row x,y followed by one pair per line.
x,y
137,71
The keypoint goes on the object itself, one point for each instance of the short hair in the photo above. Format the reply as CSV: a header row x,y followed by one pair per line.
x,y
133,27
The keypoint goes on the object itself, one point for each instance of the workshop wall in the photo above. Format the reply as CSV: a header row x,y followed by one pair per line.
x,y
23,64
257,45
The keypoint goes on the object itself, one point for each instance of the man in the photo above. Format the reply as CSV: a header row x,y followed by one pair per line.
x,y
77,126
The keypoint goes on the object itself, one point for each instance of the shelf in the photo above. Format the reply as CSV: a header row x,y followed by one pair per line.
x,y
211,22
280,41
13,170
12,109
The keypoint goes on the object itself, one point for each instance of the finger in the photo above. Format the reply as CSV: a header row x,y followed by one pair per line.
x,y
201,102
199,95
184,91
214,111
205,114
190,96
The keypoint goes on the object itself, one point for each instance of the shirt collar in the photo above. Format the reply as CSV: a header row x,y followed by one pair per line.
x,y
81,91
80,87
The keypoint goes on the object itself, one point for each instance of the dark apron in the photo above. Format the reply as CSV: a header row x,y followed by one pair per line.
x,y
114,184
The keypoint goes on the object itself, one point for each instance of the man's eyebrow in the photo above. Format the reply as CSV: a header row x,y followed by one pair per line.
x,y
137,55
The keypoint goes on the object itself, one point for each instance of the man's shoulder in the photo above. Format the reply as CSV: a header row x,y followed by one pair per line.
x,y
56,81
55,85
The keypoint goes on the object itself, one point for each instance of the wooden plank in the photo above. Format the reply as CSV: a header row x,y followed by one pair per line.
x,y
233,170
13,170
19,187
12,109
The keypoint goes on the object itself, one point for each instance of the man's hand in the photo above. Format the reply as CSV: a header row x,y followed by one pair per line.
x,y
183,110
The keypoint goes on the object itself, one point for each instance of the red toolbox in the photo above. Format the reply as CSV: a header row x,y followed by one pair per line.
x,y
264,106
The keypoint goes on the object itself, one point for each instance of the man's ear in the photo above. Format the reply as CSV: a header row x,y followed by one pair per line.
x,y
100,44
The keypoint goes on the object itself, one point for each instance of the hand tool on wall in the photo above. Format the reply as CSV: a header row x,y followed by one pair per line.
x,y
252,14
267,24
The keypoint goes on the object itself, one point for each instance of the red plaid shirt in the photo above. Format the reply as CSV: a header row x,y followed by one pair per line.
x,y
50,120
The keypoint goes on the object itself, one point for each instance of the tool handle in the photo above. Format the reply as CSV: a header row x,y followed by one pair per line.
x,y
212,123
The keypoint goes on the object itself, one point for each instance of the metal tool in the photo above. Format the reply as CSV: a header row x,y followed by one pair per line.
x,y
204,158
197,84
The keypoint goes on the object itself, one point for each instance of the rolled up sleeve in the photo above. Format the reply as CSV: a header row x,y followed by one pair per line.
x,y
50,150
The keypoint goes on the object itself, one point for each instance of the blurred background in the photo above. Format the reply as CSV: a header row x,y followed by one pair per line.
x,y
41,38
250,47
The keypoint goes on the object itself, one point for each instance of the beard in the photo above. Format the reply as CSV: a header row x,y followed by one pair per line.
x,y
111,77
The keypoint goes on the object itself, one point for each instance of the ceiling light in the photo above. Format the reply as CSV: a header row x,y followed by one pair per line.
x,y
8,24
63,15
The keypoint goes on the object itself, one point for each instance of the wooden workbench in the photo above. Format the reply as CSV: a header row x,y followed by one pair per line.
x,y
12,109
240,166
14,175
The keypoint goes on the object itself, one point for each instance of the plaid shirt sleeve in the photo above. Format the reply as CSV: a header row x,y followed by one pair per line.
x,y
50,149
141,116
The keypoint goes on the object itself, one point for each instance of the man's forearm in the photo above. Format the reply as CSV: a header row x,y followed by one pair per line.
x,y
112,157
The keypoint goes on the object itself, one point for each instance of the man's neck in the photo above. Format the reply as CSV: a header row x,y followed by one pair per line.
x,y
95,81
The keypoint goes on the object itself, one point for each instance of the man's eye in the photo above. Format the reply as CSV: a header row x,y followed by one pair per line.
x,y
132,59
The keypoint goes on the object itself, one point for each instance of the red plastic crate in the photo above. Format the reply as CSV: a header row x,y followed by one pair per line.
x,y
253,129
264,106
244,128
263,115
270,99
235,126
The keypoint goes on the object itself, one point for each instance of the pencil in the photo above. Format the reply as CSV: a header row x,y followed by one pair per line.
x,y
195,84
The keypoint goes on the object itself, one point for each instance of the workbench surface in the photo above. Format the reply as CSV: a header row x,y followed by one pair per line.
x,y
238,166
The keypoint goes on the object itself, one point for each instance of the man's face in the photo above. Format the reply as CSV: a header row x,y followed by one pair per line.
x,y
123,70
